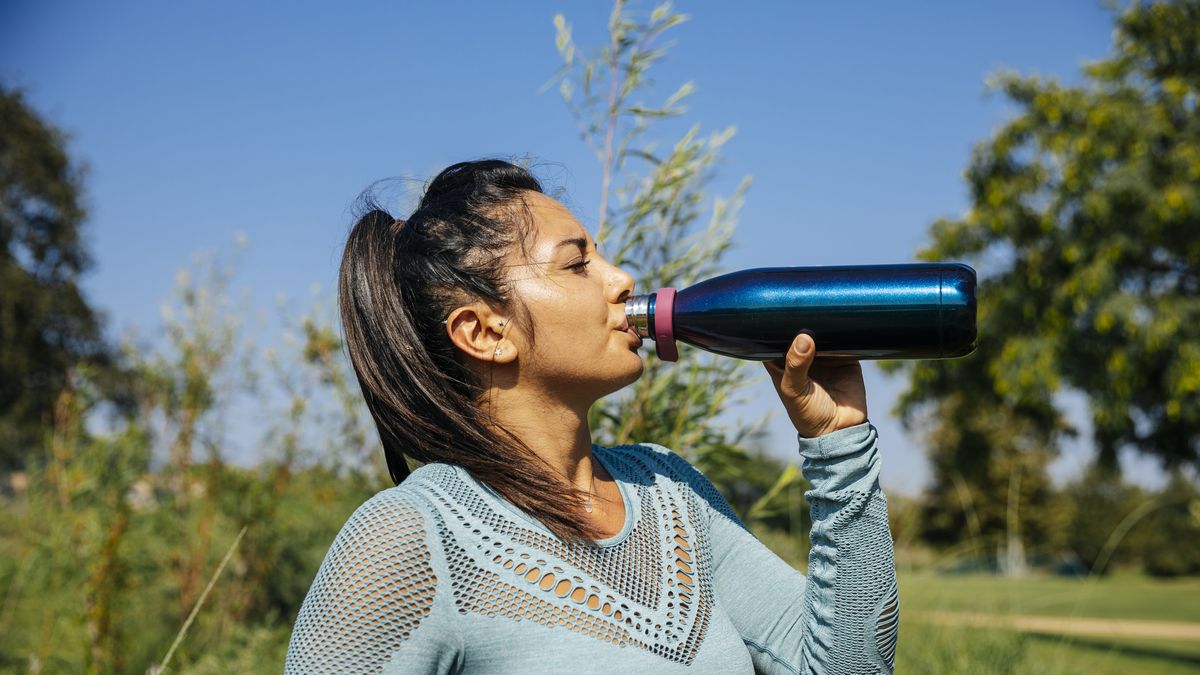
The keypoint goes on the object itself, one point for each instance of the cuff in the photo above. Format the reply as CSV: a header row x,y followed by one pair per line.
x,y
840,443
846,459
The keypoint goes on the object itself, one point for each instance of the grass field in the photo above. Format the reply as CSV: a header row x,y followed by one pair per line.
x,y
929,646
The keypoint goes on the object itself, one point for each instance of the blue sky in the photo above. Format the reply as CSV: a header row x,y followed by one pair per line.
x,y
202,120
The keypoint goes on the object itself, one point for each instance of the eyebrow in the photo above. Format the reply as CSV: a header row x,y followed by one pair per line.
x,y
581,242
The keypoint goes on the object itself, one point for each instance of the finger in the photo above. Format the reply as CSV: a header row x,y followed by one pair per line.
x,y
775,371
800,359
830,367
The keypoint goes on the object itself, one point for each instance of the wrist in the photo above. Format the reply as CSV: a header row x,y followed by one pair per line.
x,y
846,440
831,428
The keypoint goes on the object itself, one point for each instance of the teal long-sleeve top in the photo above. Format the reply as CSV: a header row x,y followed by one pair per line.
x,y
441,575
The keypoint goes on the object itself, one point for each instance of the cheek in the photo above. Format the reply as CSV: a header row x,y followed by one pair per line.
x,y
567,318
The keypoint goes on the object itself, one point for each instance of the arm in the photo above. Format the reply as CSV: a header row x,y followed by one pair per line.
x,y
843,618
373,606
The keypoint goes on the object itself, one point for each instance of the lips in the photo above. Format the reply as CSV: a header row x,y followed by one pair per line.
x,y
629,330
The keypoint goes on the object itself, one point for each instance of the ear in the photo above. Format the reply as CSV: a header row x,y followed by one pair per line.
x,y
479,332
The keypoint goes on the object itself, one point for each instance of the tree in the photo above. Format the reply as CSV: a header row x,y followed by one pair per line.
x,y
1097,503
46,325
652,200
1085,228
1171,532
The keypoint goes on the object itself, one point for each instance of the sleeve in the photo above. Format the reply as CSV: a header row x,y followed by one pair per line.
x,y
844,617
373,607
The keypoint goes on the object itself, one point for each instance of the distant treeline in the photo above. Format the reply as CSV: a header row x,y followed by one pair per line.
x,y
130,543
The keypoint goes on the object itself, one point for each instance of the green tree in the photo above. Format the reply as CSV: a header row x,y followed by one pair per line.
x,y
46,324
1084,227
1170,534
653,199
1096,504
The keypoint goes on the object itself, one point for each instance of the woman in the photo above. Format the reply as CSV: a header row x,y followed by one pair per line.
x,y
481,331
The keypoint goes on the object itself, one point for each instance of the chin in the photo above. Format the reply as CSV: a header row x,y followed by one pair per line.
x,y
629,373
634,373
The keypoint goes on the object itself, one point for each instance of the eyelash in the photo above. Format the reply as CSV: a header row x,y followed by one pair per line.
x,y
580,265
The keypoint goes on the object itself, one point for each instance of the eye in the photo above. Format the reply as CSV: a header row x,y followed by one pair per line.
x,y
581,265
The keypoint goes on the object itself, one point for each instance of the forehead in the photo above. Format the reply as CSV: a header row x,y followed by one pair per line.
x,y
552,222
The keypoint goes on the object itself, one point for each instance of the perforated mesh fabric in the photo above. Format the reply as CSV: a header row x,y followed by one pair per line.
x,y
651,590
441,552
887,626
371,592
862,613
664,461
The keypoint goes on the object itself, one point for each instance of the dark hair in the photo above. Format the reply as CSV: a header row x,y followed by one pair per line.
x,y
399,280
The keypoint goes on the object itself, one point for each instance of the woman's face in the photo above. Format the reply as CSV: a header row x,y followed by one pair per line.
x,y
576,301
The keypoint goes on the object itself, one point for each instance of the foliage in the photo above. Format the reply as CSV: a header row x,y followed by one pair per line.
x,y
46,325
990,488
112,531
1096,502
651,204
132,520
1171,533
1083,224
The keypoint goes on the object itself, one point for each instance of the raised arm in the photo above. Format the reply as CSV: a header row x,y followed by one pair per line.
x,y
844,617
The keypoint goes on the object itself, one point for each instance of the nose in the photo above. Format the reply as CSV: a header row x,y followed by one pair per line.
x,y
620,287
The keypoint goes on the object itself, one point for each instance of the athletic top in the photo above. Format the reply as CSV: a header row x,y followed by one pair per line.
x,y
442,575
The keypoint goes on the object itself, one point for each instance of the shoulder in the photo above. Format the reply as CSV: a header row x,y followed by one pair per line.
x,y
653,459
388,538
660,464
376,586
411,503
399,517
658,461
392,521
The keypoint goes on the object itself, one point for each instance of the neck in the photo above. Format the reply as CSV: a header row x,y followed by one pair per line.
x,y
556,430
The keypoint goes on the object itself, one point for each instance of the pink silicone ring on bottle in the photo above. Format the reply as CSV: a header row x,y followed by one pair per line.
x,y
664,330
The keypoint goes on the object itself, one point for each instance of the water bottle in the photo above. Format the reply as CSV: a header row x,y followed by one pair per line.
x,y
903,311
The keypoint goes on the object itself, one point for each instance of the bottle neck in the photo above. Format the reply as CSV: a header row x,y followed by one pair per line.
x,y
637,311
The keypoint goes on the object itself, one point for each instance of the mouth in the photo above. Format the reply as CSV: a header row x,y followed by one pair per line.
x,y
637,339
625,328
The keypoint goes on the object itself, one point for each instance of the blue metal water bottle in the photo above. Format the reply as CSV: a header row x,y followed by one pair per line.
x,y
903,311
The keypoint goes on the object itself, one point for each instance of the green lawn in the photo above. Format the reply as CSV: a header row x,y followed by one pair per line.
x,y
937,649
1118,597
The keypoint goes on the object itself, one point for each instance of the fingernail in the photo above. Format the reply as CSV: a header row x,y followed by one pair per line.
x,y
799,348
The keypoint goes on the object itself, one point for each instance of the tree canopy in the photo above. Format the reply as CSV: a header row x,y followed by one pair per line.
x,y
47,326
1084,226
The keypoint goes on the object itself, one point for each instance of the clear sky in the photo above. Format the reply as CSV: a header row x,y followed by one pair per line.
x,y
200,120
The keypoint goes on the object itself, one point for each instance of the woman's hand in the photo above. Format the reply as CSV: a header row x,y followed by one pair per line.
x,y
820,396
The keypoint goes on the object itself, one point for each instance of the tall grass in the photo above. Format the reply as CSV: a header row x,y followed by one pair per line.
x,y
108,539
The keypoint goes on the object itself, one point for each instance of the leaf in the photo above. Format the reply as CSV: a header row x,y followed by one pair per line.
x,y
789,477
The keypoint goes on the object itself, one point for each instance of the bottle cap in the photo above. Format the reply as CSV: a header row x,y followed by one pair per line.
x,y
664,329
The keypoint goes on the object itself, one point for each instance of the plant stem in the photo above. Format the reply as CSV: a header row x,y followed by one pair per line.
x,y
199,603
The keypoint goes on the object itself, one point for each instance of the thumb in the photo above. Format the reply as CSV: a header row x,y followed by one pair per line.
x,y
799,360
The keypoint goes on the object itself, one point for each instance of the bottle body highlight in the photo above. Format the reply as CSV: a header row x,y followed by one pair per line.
x,y
901,311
